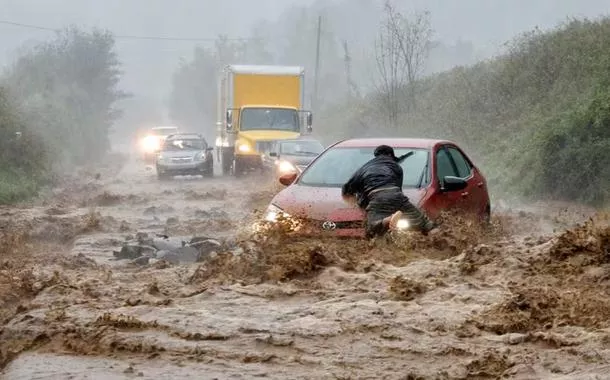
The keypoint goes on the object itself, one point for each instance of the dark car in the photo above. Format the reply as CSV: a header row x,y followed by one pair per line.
x,y
293,156
185,154
438,176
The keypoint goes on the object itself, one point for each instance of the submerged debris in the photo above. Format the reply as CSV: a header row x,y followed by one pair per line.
x,y
142,248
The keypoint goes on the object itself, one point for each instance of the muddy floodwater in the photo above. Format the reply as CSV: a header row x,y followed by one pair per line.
x,y
526,299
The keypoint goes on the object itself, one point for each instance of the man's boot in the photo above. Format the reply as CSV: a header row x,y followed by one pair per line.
x,y
390,221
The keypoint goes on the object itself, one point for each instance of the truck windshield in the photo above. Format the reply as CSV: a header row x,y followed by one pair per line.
x,y
256,119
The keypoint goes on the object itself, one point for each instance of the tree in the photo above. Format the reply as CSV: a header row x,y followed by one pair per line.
x,y
67,89
401,50
194,86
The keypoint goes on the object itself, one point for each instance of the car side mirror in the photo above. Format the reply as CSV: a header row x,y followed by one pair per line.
x,y
451,183
309,120
273,154
288,178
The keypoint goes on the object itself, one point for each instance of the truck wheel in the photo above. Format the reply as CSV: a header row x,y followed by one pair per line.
x,y
238,170
226,162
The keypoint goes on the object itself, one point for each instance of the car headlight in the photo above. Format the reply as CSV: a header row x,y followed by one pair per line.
x,y
285,167
244,148
402,224
150,143
200,156
273,212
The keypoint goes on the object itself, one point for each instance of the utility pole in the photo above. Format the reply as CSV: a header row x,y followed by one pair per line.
x,y
348,69
317,70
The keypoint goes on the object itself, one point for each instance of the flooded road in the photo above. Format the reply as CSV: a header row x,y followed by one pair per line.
x,y
522,301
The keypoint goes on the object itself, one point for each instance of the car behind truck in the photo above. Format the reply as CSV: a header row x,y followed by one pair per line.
x,y
258,105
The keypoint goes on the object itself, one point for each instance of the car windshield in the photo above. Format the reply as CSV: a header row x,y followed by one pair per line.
x,y
253,119
301,148
185,144
336,166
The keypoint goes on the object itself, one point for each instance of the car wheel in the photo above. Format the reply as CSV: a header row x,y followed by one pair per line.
x,y
209,171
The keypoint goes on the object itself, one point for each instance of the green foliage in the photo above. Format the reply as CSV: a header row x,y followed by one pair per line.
x,y
22,156
61,95
536,119
66,89
194,86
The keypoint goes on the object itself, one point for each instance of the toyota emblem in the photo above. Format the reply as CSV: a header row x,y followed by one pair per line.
x,y
328,225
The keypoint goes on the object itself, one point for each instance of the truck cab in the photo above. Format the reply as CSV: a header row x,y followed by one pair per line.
x,y
259,126
259,106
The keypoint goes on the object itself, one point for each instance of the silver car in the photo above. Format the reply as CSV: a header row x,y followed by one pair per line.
x,y
185,154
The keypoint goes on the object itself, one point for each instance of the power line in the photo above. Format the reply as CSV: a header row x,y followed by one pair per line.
x,y
129,37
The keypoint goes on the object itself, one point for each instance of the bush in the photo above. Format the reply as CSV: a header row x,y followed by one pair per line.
x,y
62,95
23,158
536,119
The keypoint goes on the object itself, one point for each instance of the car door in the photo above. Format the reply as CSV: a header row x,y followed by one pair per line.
x,y
476,197
446,200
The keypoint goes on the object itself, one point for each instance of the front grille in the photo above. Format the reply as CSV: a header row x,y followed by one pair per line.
x,y
349,225
354,224
264,146
181,160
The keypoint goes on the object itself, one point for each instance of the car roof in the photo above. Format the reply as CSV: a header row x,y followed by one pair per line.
x,y
185,135
397,142
164,127
299,140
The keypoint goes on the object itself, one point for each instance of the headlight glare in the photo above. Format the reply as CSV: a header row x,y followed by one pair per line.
x,y
402,224
285,166
273,212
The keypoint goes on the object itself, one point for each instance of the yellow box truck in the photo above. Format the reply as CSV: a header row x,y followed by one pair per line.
x,y
258,105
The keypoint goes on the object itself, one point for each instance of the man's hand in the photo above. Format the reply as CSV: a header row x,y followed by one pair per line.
x,y
349,199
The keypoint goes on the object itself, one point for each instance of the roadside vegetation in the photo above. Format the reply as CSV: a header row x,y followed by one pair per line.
x,y
537,118
56,109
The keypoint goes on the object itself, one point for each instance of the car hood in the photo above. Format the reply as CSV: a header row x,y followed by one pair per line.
x,y
297,160
180,153
325,203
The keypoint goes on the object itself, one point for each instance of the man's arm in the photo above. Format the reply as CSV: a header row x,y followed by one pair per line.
x,y
353,185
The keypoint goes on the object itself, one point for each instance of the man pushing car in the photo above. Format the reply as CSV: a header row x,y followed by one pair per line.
x,y
377,189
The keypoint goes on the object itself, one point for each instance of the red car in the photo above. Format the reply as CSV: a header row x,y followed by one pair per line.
x,y
438,176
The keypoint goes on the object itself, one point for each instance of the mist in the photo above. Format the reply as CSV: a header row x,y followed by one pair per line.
x,y
470,30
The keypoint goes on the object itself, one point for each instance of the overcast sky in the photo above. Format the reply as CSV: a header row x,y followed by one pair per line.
x,y
149,64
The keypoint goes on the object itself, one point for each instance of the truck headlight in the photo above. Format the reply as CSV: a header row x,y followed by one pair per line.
x,y
150,144
286,167
244,148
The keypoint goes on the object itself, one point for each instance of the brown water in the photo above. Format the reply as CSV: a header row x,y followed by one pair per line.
x,y
520,301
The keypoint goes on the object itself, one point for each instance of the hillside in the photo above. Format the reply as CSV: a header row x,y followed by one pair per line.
x,y
536,119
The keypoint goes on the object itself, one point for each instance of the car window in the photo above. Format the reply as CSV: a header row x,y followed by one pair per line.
x,y
463,167
444,167
185,144
335,166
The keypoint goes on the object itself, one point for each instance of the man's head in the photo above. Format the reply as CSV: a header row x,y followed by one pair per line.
x,y
384,150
